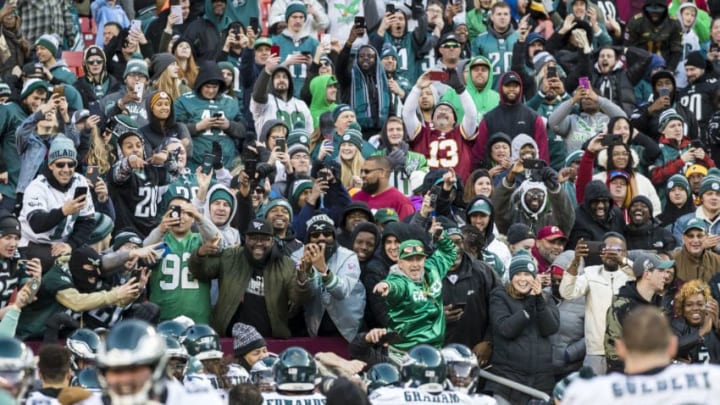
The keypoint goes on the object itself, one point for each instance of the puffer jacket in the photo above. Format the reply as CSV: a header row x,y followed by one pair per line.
x,y
521,330
568,344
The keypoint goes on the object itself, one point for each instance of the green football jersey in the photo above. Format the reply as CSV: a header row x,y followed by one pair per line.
x,y
173,288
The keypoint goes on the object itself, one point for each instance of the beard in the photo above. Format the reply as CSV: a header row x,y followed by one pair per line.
x,y
371,188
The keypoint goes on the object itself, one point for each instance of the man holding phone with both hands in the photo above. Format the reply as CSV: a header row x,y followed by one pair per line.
x,y
57,212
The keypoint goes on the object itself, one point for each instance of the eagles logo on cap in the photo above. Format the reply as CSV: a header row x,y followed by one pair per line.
x,y
304,139
531,267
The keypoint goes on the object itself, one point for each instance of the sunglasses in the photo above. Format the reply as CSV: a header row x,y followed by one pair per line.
x,y
368,171
413,250
327,234
450,46
62,165
95,62
259,191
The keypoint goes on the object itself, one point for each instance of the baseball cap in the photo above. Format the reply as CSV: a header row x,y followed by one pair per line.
x,y
480,206
259,227
262,41
511,77
412,247
695,223
385,215
448,39
551,232
650,262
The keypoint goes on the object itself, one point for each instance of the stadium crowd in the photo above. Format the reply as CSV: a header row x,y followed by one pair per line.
x,y
472,195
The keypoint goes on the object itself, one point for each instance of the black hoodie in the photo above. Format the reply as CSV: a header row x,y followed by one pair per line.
x,y
156,135
649,124
586,226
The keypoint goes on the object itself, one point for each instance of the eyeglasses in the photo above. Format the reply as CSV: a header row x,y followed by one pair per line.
x,y
368,171
62,165
95,62
413,250
317,234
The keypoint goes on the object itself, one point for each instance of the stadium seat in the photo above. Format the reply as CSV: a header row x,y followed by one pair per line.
x,y
88,28
265,15
74,59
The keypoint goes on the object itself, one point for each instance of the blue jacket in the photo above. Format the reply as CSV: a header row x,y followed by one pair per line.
x,y
33,149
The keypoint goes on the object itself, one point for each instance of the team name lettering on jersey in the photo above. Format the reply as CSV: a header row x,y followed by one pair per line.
x,y
441,398
674,383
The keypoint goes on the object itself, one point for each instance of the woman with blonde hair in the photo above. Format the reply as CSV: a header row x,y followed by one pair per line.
x,y
186,62
695,323
351,160
165,75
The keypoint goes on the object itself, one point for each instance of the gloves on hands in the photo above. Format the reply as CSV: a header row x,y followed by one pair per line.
x,y
454,81
217,152
550,178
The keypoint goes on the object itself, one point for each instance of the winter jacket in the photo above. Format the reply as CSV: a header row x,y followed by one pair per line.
x,y
415,309
568,344
627,299
556,208
586,225
233,269
713,225
341,296
204,35
692,347
649,236
688,267
597,286
670,162
664,38
470,284
521,330
615,86
485,99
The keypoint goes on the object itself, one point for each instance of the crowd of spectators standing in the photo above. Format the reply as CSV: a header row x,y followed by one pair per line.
x,y
512,176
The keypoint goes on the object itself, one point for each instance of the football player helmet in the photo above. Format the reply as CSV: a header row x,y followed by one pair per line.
x,y
295,370
423,367
462,366
202,342
17,367
383,375
83,346
131,344
177,358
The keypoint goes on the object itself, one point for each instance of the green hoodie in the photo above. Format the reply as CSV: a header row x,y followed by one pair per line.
x,y
320,104
220,24
484,100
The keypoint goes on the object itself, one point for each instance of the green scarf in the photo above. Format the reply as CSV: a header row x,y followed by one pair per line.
x,y
360,94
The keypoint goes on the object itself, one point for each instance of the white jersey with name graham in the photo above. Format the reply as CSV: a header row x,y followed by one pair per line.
x,y
396,395
678,384
276,398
